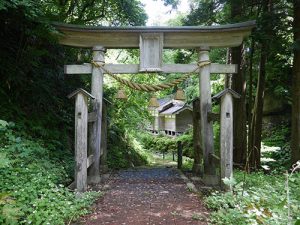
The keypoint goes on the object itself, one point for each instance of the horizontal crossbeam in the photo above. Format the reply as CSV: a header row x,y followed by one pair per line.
x,y
229,35
134,68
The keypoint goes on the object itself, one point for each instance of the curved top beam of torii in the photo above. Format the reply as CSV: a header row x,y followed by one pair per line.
x,y
229,35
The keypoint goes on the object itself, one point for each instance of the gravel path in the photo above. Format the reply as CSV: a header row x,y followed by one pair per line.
x,y
147,196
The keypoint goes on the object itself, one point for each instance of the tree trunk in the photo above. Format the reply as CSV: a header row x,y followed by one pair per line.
x,y
250,102
295,144
239,85
103,158
256,123
239,110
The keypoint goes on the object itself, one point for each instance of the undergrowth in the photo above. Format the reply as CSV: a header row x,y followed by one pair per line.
x,y
163,143
124,150
33,182
168,144
276,146
257,199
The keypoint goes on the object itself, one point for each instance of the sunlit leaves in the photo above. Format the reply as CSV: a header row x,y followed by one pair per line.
x,y
260,200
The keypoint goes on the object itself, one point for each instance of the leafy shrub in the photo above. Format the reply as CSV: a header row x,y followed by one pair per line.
x,y
32,188
187,143
277,136
260,199
168,144
124,150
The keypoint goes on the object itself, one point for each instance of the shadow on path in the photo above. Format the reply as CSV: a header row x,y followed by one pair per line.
x,y
147,196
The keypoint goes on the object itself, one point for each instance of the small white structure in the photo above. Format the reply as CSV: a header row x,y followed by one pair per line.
x,y
172,117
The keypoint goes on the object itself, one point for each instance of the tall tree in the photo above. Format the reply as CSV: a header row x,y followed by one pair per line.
x,y
96,12
250,98
32,84
295,145
256,123
239,85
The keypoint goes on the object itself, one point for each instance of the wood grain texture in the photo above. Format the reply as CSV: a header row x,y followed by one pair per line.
x,y
151,50
226,136
81,117
174,37
95,128
206,126
198,151
92,117
104,149
90,160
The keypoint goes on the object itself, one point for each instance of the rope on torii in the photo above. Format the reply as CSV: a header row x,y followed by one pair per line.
x,y
150,87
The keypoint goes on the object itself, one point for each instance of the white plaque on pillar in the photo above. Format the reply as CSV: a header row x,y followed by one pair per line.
x,y
151,48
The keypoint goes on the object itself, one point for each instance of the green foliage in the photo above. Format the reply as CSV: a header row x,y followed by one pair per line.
x,y
187,164
96,12
206,13
256,199
277,135
32,188
168,144
33,88
187,143
216,130
124,150
278,138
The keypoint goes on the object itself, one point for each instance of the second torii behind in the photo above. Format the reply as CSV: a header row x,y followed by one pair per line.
x,y
151,41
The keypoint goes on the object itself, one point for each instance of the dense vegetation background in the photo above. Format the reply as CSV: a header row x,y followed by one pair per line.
x,y
36,118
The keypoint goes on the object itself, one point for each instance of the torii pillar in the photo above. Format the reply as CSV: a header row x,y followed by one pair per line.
x,y
151,41
95,128
206,126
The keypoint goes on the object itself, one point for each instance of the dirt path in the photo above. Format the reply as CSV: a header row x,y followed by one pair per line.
x,y
147,196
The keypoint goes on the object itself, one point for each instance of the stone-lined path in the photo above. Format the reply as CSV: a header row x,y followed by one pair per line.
x,y
147,196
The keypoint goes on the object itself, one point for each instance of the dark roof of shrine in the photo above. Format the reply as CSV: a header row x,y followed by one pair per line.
x,y
173,107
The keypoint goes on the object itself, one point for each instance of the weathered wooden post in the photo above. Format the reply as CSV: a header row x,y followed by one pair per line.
x,y
206,127
226,134
103,158
179,154
196,137
81,127
151,42
95,130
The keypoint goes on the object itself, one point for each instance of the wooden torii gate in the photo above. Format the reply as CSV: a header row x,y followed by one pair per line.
x,y
151,41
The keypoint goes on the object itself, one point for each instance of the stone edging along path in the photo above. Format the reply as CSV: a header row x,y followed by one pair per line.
x,y
148,196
